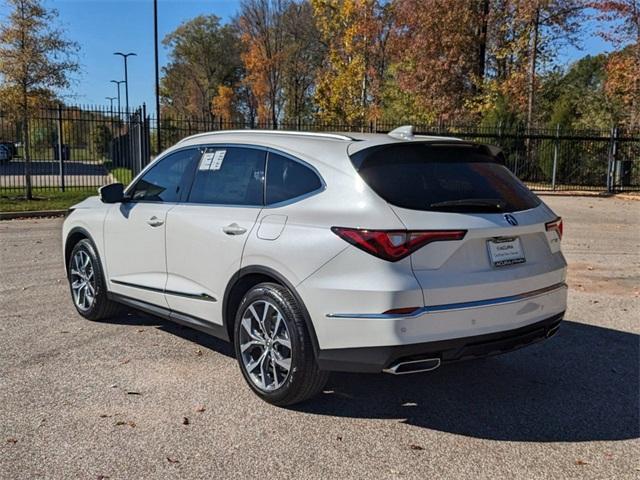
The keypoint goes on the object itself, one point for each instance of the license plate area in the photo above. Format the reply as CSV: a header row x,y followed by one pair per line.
x,y
504,251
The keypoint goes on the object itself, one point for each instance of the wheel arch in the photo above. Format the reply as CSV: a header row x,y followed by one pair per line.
x,y
73,237
245,279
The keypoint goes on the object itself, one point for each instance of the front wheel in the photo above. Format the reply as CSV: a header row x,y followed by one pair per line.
x,y
87,283
273,347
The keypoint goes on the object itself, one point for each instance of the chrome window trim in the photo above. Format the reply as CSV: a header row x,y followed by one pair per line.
x,y
453,306
204,146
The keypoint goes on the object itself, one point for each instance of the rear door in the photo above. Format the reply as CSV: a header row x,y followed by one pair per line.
x,y
507,249
206,235
134,230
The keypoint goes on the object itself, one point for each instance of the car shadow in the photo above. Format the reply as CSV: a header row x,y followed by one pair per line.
x,y
140,319
581,385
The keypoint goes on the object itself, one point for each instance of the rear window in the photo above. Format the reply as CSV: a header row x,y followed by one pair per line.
x,y
457,178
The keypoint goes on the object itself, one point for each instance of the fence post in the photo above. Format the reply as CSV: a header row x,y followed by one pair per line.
x,y
612,160
60,148
556,145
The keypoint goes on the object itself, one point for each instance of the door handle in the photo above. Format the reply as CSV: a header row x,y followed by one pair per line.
x,y
234,229
155,221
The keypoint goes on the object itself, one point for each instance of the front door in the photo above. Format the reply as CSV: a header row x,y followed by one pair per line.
x,y
135,230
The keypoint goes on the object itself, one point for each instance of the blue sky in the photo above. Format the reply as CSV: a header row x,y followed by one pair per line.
x,y
102,27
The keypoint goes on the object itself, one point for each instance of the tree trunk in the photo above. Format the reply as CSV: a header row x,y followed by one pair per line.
x,y
533,53
26,146
482,44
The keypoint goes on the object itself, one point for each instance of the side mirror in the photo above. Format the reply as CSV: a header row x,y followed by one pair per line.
x,y
113,193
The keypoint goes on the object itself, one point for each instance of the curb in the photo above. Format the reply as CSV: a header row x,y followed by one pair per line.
x,y
581,193
32,214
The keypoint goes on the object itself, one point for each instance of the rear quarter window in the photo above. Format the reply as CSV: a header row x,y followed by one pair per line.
x,y
437,177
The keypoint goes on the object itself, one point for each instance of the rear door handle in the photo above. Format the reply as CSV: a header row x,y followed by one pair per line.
x,y
234,229
155,221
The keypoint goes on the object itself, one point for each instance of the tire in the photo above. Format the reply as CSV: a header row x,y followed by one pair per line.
x,y
91,301
284,324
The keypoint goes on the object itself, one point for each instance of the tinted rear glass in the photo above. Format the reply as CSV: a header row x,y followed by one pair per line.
x,y
456,178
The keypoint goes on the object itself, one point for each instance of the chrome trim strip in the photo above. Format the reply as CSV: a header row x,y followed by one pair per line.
x,y
453,306
195,296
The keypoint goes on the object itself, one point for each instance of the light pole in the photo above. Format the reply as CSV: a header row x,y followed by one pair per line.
x,y
155,46
111,99
118,82
126,78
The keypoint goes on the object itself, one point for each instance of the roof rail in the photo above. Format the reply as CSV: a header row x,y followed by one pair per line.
x,y
335,136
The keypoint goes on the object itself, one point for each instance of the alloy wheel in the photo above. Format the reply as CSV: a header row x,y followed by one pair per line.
x,y
83,282
265,345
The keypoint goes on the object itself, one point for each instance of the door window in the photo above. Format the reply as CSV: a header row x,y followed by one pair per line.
x,y
288,179
164,181
229,176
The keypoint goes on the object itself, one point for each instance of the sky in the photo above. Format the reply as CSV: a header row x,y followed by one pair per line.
x,y
102,27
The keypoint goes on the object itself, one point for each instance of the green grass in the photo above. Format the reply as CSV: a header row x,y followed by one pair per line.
x,y
44,199
122,174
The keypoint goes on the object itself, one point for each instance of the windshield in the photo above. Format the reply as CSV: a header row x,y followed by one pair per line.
x,y
442,177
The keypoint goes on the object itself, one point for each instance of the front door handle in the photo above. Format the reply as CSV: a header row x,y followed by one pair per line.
x,y
234,229
155,221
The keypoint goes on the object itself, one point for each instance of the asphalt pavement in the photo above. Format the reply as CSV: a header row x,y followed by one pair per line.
x,y
137,397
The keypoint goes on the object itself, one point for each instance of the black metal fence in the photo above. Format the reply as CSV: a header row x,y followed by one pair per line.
x,y
83,148
72,148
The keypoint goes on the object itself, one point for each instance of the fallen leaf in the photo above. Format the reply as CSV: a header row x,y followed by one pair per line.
x,y
12,440
120,423
105,415
581,462
200,408
124,362
185,421
415,447
172,460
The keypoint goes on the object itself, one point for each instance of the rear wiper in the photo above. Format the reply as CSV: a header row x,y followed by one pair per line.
x,y
494,203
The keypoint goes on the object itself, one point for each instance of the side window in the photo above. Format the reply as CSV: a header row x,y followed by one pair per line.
x,y
163,182
287,179
229,176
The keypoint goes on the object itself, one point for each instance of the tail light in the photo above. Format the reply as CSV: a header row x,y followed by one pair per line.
x,y
393,245
555,225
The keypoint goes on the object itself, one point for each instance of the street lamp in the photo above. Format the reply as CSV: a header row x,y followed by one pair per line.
x,y
111,99
126,78
155,48
118,82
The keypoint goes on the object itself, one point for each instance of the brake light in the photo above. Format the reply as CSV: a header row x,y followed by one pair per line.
x,y
394,245
555,225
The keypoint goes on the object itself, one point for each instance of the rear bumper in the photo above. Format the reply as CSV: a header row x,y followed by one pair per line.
x,y
375,359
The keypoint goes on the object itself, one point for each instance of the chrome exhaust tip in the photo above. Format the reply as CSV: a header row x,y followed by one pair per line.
x,y
552,331
413,366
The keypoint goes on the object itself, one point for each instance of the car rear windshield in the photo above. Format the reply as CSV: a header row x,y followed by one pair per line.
x,y
442,177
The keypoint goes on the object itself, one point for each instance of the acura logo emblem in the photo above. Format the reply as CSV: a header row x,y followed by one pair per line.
x,y
511,220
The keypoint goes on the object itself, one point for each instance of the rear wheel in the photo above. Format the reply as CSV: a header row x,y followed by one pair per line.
x,y
273,347
87,283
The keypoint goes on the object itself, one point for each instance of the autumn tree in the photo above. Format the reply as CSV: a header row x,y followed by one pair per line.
x,y
35,58
623,68
304,54
262,27
204,55
355,34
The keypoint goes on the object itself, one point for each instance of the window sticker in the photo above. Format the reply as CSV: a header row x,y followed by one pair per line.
x,y
212,160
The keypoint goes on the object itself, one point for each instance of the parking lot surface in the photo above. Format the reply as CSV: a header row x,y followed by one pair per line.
x,y
138,397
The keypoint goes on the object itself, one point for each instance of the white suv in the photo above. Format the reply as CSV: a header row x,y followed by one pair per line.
x,y
317,252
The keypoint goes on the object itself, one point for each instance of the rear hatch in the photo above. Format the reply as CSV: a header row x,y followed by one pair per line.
x,y
511,243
